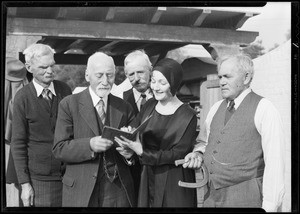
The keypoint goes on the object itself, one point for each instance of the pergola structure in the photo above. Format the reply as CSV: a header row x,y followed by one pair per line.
x,y
77,32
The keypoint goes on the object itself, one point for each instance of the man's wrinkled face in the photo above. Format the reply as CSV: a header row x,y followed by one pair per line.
x,y
42,69
232,81
138,74
101,77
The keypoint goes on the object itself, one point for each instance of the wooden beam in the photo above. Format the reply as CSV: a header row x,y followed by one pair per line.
x,y
243,19
110,13
202,17
157,14
127,31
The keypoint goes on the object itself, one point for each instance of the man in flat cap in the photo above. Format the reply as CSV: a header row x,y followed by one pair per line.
x,y
15,79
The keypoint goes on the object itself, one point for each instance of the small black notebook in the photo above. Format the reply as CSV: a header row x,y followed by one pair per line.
x,y
110,132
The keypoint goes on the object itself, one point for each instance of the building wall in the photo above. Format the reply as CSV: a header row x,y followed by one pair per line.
x,y
272,79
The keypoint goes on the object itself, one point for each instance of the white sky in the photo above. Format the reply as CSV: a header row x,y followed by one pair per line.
x,y
272,23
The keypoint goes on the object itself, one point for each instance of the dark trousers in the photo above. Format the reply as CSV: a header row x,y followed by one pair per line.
x,y
247,194
47,193
108,194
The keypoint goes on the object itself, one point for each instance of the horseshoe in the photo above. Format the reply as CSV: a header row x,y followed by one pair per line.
x,y
193,185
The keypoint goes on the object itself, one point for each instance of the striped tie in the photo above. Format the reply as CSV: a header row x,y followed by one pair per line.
x,y
143,100
46,93
101,111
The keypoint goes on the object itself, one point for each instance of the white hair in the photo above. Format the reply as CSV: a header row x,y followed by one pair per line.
x,y
35,51
242,62
132,56
99,57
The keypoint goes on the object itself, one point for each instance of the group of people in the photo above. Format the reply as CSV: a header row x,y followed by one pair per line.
x,y
62,160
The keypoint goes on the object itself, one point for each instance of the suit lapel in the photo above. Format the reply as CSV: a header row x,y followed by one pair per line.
x,y
87,111
129,97
115,115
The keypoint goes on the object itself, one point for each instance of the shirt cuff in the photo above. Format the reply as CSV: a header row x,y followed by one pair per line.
x,y
269,206
93,155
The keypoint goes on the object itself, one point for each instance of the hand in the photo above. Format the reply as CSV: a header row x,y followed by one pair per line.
x,y
27,194
99,144
125,152
136,146
193,160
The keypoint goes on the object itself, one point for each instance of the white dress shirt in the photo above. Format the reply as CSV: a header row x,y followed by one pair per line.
x,y
39,89
138,97
269,125
96,99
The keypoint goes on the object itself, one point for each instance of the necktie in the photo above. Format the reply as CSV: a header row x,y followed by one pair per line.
x,y
229,111
101,111
47,95
107,155
143,100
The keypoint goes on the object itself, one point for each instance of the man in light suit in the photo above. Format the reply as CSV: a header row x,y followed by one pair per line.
x,y
33,124
97,175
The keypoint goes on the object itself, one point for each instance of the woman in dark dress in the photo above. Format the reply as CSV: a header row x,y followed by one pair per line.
x,y
169,135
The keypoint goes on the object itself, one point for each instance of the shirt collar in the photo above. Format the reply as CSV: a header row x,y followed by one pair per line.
x,y
240,98
96,99
137,94
39,89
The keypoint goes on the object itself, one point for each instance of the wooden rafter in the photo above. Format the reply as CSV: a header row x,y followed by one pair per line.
x,y
243,19
62,12
127,31
202,17
157,14
110,13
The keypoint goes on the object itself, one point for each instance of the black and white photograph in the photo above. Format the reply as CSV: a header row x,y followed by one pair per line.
x,y
126,107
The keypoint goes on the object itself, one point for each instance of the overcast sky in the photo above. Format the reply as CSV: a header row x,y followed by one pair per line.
x,y
272,23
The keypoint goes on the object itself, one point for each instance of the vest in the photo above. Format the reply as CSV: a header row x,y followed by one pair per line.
x,y
234,151
110,154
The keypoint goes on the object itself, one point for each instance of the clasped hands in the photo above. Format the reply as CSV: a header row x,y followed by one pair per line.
x,y
193,160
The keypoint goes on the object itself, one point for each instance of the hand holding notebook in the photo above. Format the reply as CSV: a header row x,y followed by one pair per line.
x,y
110,132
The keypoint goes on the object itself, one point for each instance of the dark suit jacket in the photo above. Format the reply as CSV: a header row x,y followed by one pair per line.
x,y
129,97
33,128
76,125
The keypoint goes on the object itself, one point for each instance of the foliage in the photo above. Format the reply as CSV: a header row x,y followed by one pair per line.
x,y
255,49
74,75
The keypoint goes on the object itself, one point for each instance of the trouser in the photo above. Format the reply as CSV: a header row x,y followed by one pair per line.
x,y
47,193
108,194
244,194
